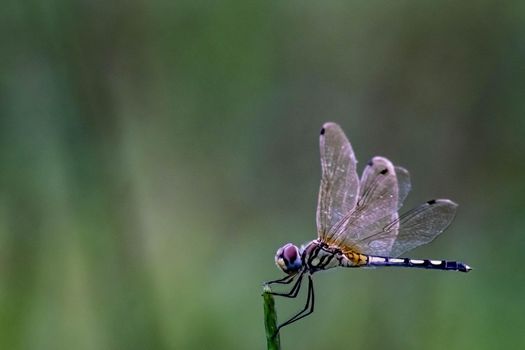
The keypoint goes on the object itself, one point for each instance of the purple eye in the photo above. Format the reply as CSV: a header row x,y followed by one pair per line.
x,y
288,258
290,253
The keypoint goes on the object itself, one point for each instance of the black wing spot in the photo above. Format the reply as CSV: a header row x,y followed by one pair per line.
x,y
384,171
370,162
432,201
322,131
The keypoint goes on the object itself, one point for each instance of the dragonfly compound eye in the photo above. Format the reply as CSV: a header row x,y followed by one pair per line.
x,y
288,258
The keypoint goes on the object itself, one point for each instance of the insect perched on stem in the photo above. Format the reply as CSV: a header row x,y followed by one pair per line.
x,y
358,224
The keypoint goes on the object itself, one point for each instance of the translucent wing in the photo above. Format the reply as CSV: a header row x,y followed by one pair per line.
x,y
403,184
416,227
339,182
377,204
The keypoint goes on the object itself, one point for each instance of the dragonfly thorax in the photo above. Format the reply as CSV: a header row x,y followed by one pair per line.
x,y
288,258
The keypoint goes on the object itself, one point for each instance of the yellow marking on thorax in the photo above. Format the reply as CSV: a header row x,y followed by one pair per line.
x,y
356,258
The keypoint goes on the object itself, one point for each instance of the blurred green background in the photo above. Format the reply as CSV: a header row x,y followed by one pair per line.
x,y
155,154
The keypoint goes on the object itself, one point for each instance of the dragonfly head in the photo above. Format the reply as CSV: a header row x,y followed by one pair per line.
x,y
288,258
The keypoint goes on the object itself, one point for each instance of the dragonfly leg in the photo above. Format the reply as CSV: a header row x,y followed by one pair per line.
x,y
285,280
295,289
307,310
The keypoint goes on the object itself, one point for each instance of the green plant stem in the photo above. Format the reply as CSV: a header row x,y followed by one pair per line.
x,y
273,339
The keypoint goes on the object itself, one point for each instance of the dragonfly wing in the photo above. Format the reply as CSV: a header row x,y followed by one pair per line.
x,y
339,182
377,204
414,228
429,220
403,184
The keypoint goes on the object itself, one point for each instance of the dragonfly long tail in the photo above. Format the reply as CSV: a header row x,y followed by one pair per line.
x,y
419,263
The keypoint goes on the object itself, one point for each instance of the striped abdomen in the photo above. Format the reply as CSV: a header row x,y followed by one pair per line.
x,y
418,263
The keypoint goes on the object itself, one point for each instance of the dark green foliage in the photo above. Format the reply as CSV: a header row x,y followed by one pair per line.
x,y
270,321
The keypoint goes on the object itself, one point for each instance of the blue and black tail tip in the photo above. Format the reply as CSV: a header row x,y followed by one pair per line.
x,y
464,267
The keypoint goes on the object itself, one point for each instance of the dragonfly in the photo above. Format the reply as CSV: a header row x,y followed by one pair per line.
x,y
358,224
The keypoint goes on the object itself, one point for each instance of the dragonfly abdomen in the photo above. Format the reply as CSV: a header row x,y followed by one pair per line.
x,y
419,263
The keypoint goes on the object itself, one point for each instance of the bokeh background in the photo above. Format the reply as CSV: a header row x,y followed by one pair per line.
x,y
155,154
